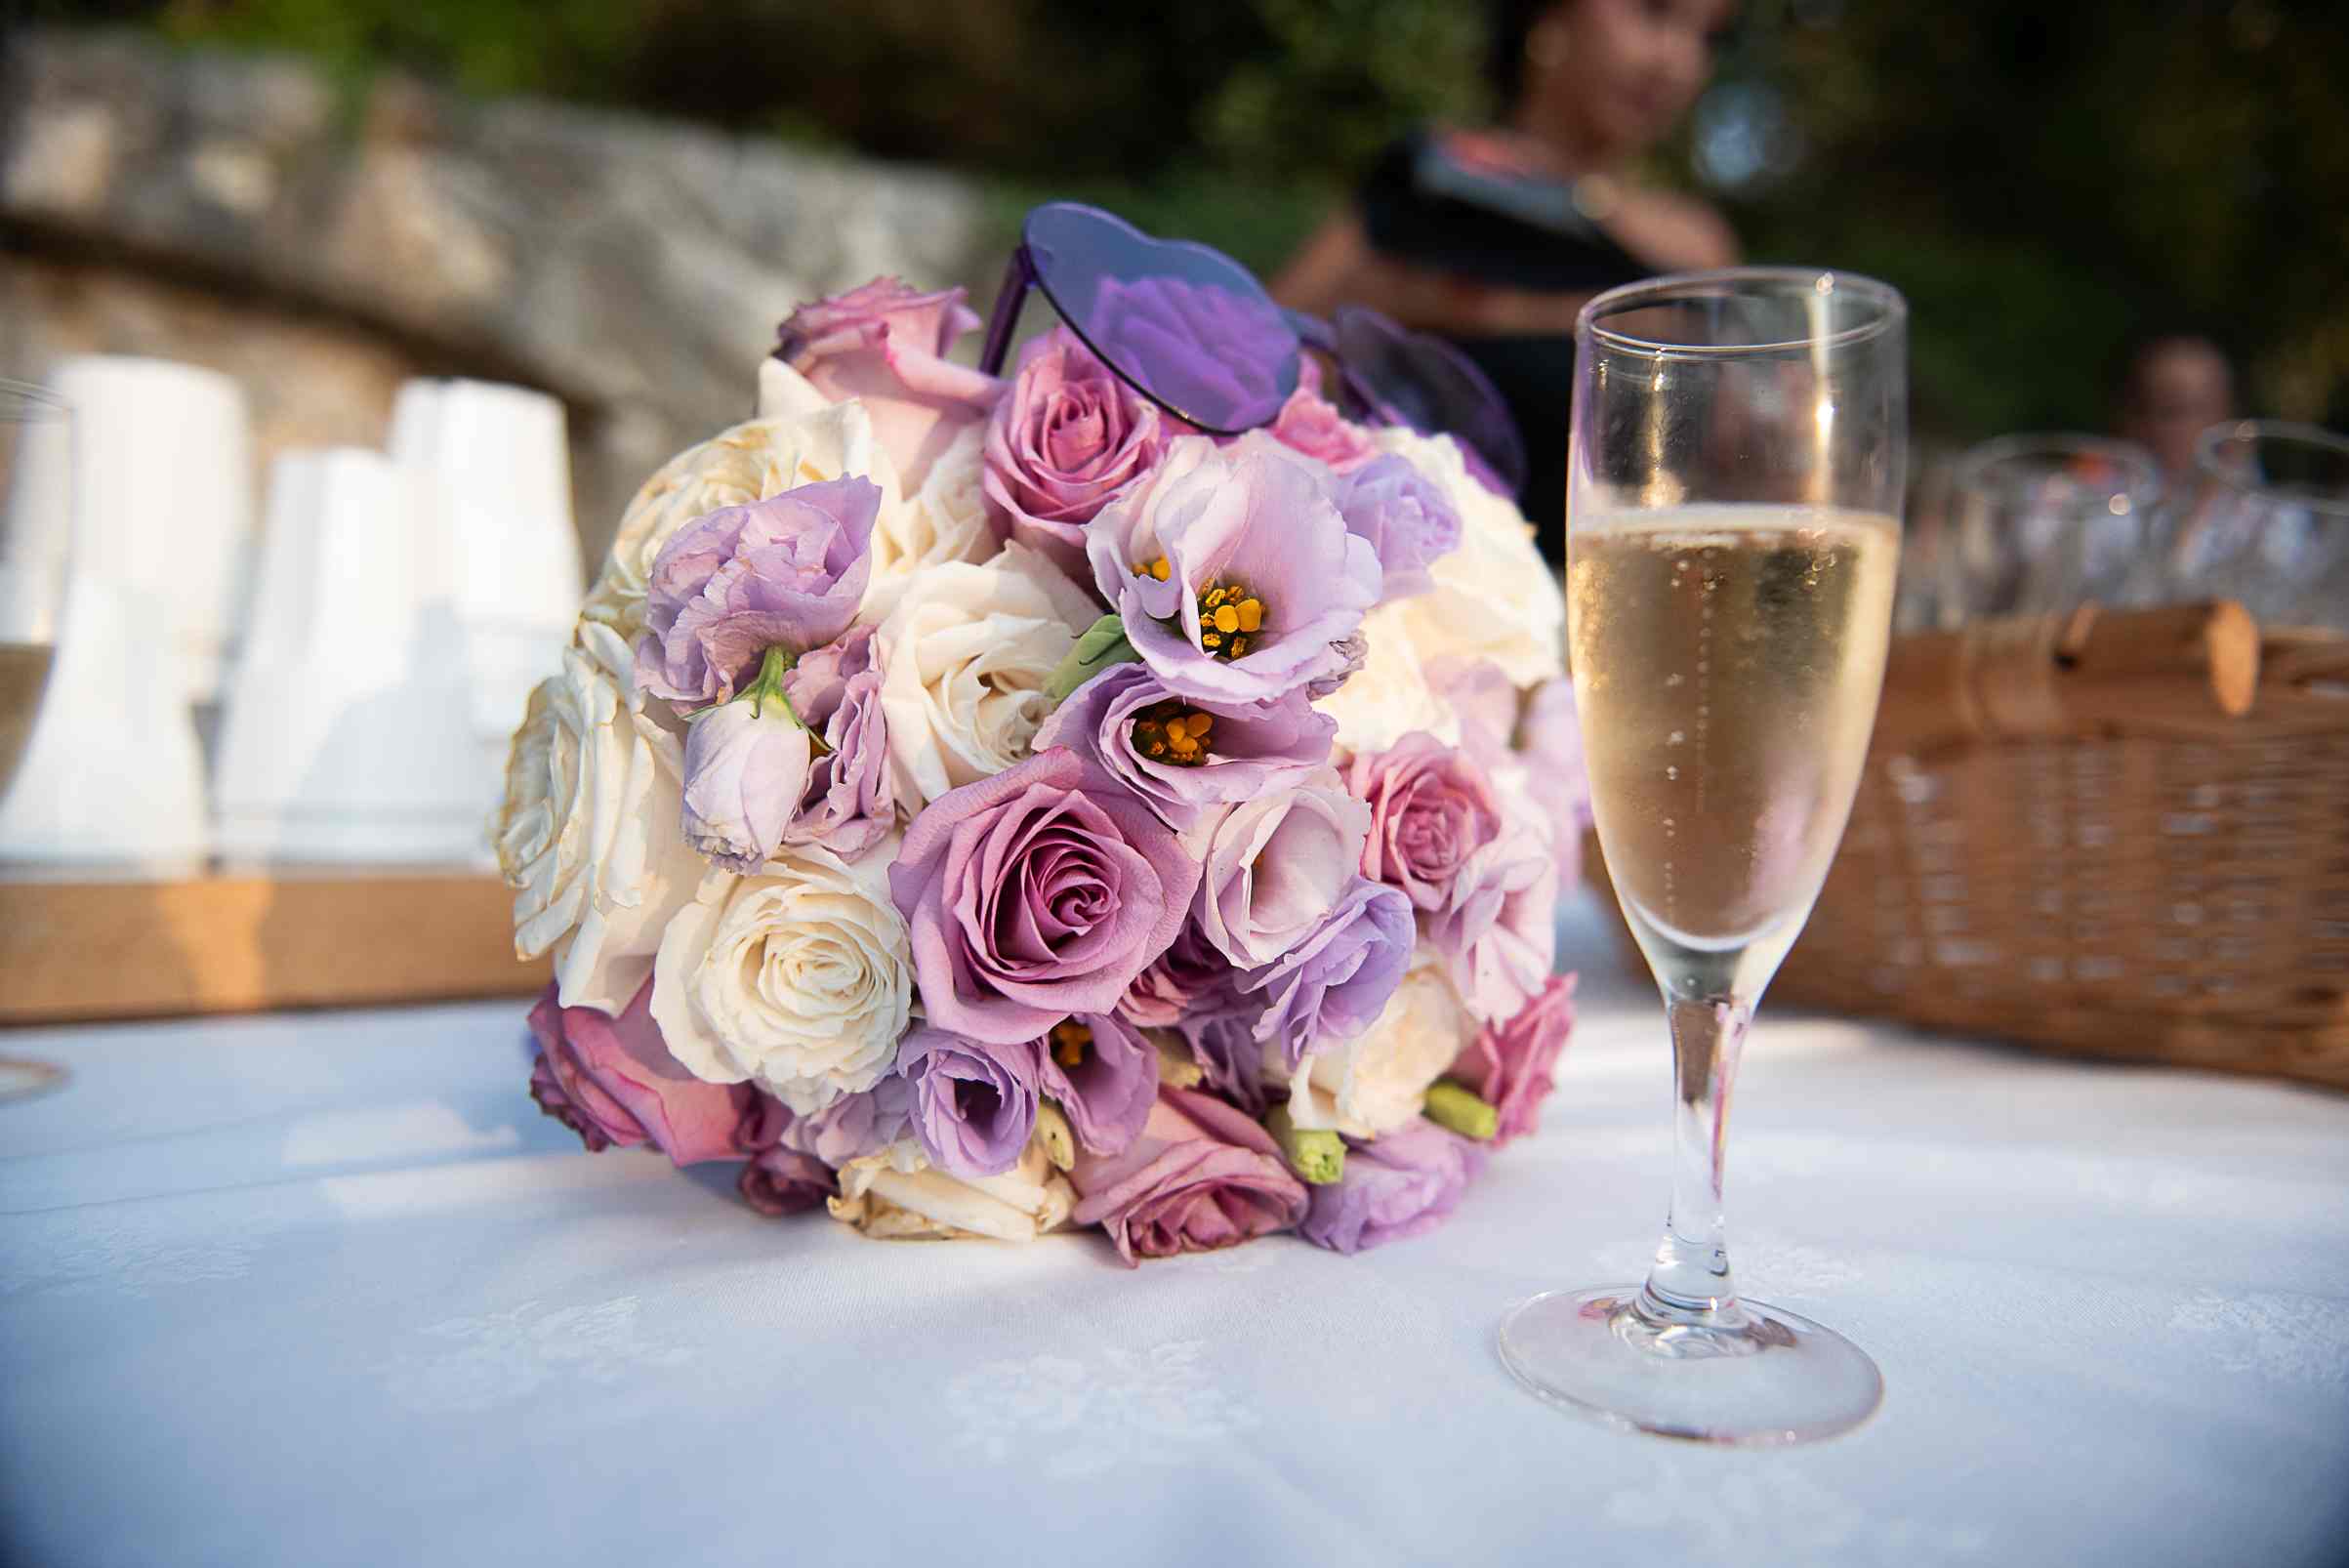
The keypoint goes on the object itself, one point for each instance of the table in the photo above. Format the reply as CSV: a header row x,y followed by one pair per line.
x,y
327,1288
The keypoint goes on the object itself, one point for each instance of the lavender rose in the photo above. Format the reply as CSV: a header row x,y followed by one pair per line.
x,y
1233,571
784,572
746,768
1406,518
611,1080
885,345
1311,425
1067,437
782,1180
1200,1175
1395,1186
1430,809
974,1104
1335,984
849,804
1272,868
1512,1066
1036,893
1183,756
1105,1076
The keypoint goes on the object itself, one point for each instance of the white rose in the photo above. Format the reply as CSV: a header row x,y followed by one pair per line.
x,y
1495,598
1389,697
1377,1081
748,463
589,834
881,1198
966,654
801,977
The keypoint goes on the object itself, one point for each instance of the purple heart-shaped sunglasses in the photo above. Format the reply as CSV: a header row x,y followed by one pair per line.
x,y
1193,331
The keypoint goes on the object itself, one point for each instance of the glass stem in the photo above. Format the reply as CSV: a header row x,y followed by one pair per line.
x,y
1690,1283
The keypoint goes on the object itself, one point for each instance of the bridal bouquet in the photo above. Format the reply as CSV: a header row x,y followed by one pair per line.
x,y
985,806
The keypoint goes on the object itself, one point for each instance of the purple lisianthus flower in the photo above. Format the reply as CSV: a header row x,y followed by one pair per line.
x,y
885,345
1190,977
1232,569
974,1104
1272,868
1513,1065
1431,808
848,804
1036,893
1334,984
855,1124
1105,1076
1222,1041
1067,437
782,1180
1200,1176
1406,518
787,572
746,768
1499,933
612,1081
1204,344
1396,1186
1183,756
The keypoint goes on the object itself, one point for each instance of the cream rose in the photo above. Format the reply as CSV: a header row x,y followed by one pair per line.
x,y
588,835
1495,598
1377,1081
965,652
749,463
882,1198
801,977
1389,697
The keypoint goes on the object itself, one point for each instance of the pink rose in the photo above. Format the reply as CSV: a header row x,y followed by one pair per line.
x,y
613,1082
1432,809
886,345
1511,1065
785,1181
1200,1176
1315,427
1068,438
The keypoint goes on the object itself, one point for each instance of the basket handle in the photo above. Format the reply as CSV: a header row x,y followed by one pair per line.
x,y
2179,670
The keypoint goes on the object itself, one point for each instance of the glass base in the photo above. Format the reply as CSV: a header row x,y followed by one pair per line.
x,y
1754,1375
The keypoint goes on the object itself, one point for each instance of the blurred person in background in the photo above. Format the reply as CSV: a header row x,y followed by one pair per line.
x,y
2171,387
1495,238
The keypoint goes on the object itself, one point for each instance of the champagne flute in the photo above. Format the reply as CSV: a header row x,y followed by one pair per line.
x,y
1735,479
36,477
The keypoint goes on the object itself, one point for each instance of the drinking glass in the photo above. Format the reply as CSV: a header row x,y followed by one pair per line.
x,y
1734,486
2037,523
2268,522
36,477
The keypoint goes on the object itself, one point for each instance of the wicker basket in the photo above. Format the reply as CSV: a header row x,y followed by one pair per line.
x,y
2117,835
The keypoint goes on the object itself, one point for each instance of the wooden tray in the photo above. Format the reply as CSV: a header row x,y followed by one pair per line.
x,y
72,951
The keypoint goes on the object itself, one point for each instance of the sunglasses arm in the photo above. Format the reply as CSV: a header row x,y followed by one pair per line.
x,y
1019,276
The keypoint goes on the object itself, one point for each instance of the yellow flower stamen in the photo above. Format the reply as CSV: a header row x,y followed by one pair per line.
x,y
1165,733
1159,568
1070,1039
1227,613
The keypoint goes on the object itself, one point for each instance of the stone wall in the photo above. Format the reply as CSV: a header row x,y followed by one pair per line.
x,y
321,244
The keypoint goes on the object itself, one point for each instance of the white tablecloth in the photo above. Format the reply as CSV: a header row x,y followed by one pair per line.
x,y
324,1288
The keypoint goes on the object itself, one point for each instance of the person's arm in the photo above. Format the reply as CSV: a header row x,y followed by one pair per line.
x,y
1323,272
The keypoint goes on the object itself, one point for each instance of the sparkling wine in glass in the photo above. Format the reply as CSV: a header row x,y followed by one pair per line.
x,y
1735,480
